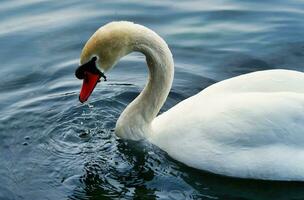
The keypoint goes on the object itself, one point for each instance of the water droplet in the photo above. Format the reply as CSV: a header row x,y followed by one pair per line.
x,y
25,143
27,137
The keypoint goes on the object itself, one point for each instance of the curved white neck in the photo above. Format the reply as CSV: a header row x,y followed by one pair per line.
x,y
134,122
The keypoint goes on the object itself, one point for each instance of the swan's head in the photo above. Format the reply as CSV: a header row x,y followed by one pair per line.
x,y
101,52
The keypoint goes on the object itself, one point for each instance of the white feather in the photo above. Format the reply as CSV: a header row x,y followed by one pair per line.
x,y
255,130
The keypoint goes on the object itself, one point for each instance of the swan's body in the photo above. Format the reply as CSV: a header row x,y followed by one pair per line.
x,y
250,126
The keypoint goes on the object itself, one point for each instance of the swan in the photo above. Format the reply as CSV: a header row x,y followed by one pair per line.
x,y
249,126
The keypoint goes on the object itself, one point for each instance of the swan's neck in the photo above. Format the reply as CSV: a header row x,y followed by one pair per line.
x,y
135,121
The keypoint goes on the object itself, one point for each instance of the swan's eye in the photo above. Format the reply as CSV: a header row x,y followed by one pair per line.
x,y
94,59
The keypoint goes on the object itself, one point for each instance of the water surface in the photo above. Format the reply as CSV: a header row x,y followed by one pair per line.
x,y
53,147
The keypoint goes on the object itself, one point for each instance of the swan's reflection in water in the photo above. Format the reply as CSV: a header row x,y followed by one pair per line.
x,y
142,171
232,188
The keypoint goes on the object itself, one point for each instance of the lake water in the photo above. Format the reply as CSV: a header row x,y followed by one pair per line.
x,y
52,147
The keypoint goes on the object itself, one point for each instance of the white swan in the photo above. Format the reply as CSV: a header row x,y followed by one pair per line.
x,y
250,126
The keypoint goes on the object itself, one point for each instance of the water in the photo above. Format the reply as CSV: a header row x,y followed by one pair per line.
x,y
53,147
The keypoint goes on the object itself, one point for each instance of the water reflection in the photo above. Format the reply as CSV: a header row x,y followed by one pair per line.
x,y
140,174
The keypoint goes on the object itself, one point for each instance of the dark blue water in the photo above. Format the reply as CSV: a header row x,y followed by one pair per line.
x,y
53,147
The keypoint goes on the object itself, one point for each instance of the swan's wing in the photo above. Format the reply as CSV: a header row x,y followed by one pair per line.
x,y
265,101
277,80
244,134
245,119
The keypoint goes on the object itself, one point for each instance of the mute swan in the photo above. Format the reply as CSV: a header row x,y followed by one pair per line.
x,y
249,126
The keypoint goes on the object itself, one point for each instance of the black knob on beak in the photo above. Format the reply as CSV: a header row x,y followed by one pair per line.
x,y
89,66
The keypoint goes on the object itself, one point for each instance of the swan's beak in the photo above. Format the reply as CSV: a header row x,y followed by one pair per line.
x,y
90,75
89,82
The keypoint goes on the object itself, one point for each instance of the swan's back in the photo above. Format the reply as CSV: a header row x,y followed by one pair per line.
x,y
277,80
250,126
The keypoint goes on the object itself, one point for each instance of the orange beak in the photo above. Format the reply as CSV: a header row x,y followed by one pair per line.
x,y
89,82
90,75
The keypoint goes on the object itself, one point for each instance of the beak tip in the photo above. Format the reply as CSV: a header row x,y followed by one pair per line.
x,y
81,100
